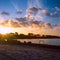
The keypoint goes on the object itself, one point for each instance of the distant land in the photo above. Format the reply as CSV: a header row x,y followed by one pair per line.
x,y
15,35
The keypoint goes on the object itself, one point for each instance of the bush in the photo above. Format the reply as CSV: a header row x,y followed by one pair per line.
x,y
13,42
29,42
24,42
2,42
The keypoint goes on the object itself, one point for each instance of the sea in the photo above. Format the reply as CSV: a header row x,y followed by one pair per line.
x,y
42,41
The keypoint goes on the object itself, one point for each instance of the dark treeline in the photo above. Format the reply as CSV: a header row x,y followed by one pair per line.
x,y
15,35
11,38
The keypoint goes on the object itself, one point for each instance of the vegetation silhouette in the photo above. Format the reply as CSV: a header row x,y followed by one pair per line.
x,y
15,35
11,38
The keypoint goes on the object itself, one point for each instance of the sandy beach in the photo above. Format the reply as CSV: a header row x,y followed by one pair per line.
x,y
23,52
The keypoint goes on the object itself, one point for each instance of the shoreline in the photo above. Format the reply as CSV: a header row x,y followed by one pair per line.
x,y
36,45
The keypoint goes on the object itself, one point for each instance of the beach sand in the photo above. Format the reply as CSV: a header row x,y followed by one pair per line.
x,y
23,52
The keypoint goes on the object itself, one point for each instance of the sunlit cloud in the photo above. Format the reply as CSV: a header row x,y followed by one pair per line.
x,y
10,23
32,26
34,18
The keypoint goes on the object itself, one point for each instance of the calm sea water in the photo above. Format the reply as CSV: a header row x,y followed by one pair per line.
x,y
42,41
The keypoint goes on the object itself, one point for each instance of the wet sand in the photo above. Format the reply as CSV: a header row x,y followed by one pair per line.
x,y
25,52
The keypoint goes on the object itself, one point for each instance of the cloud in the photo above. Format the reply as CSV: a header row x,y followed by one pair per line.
x,y
19,12
13,24
53,14
22,21
32,10
32,26
48,25
29,17
39,17
4,23
33,23
5,13
10,23
40,8
45,12
57,8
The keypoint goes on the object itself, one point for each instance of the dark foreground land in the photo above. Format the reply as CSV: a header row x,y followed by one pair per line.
x,y
28,52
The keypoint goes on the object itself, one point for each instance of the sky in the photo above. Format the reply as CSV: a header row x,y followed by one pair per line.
x,y
27,16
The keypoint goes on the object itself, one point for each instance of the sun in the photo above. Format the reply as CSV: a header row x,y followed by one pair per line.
x,y
4,30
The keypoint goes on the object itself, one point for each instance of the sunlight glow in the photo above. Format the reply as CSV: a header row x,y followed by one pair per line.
x,y
4,30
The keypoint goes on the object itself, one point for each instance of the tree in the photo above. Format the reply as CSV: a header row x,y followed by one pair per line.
x,y
30,34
